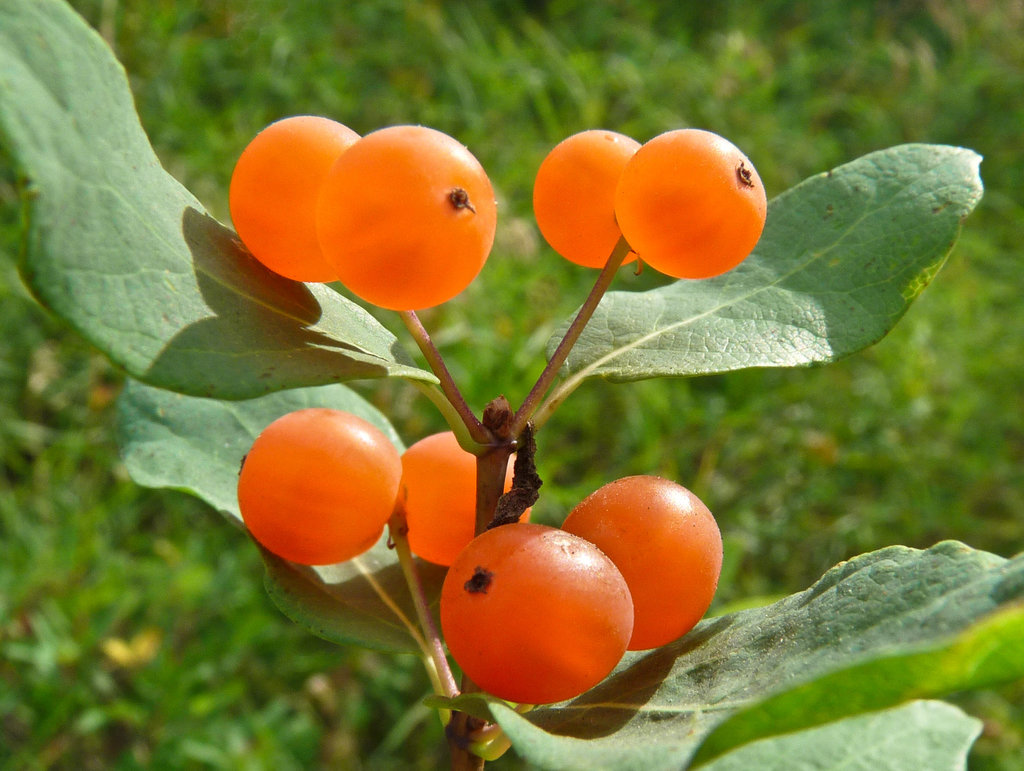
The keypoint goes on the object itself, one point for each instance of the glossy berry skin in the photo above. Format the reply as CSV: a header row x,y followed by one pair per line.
x,y
407,217
274,189
318,486
667,546
690,204
438,494
574,195
533,614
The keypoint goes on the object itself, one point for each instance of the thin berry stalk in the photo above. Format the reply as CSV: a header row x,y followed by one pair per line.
x,y
572,334
477,431
443,679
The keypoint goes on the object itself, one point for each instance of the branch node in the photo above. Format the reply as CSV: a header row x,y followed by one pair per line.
x,y
497,418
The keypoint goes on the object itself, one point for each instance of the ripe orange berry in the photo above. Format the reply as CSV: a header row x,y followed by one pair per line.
x,y
666,544
690,204
574,195
533,614
318,486
438,494
274,189
407,217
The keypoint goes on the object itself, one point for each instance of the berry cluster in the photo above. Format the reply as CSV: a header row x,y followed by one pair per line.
x,y
404,217
319,485
688,202
539,614
531,613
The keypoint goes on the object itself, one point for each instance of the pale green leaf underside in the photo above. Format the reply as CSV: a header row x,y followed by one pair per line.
x,y
991,651
842,256
121,251
882,629
197,445
929,735
918,735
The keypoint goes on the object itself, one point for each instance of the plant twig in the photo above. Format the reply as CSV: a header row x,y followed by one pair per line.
x,y
492,466
477,431
461,727
572,334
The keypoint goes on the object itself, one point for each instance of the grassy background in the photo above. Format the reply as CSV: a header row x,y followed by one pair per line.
x,y
133,626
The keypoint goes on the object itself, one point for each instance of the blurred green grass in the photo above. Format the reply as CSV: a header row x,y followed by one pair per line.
x,y
134,631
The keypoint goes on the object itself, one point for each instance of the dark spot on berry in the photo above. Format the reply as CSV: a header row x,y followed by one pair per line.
x,y
459,199
480,582
744,175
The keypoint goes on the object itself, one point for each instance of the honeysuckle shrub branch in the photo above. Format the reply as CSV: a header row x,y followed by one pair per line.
x,y
215,347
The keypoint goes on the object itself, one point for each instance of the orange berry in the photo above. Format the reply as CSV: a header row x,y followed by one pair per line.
x,y
274,189
318,486
407,217
690,204
533,614
438,494
666,544
574,195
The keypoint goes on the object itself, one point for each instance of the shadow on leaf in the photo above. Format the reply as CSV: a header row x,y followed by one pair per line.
x,y
259,327
363,601
607,707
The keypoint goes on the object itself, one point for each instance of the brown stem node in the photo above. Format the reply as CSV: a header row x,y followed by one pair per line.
x,y
498,417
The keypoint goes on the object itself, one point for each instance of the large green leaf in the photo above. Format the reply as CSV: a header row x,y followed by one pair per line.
x,y
197,444
929,735
989,652
120,250
884,628
842,256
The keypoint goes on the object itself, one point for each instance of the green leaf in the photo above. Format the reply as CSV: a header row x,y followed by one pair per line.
x,y
842,256
881,629
989,652
127,256
929,735
197,445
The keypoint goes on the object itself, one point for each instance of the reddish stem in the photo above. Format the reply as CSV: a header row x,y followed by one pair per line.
x,y
572,334
476,429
